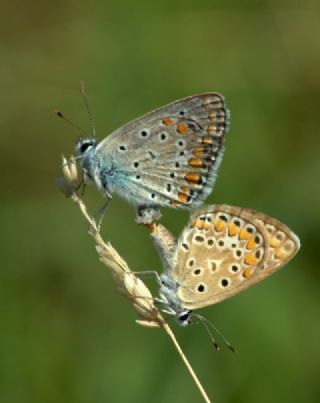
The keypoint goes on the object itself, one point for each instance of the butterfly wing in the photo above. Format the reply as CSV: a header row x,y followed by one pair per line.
x,y
169,156
225,250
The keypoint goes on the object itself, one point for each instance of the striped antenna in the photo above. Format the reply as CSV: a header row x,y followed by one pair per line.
x,y
208,324
83,94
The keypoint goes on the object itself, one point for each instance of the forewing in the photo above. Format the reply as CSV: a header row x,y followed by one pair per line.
x,y
170,156
225,250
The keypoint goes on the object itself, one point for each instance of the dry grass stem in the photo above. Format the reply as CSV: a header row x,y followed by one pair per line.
x,y
132,287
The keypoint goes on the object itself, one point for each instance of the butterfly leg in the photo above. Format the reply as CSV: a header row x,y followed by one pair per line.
x,y
147,214
81,186
163,302
148,273
156,300
102,211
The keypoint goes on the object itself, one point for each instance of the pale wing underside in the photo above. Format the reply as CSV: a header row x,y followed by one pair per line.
x,y
225,250
170,156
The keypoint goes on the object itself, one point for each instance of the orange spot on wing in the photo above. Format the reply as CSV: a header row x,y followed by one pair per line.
x,y
212,115
250,259
247,273
251,244
233,229
244,234
175,203
207,140
198,151
200,224
167,121
219,225
182,128
211,130
183,197
192,177
196,163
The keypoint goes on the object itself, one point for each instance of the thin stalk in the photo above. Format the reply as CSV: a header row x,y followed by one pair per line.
x,y
186,362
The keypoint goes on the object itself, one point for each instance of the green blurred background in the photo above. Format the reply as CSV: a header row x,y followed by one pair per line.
x,y
66,333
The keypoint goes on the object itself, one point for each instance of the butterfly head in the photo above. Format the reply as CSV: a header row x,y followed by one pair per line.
x,y
85,145
171,301
85,148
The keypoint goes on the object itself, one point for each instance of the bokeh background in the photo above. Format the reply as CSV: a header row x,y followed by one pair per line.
x,y
66,333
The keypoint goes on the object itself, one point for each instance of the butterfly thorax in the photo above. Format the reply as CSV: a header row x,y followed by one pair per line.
x,y
171,302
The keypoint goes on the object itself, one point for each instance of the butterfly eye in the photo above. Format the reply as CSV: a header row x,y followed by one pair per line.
x,y
84,144
184,318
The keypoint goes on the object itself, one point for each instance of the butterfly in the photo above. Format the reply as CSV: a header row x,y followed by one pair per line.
x,y
221,252
168,157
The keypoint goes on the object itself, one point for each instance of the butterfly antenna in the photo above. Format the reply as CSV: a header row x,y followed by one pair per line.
x,y
207,324
86,104
61,115
216,345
